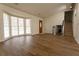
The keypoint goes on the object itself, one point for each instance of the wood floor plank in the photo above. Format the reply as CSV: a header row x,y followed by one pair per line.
x,y
40,45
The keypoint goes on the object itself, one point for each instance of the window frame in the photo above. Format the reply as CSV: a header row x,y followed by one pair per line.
x,y
10,24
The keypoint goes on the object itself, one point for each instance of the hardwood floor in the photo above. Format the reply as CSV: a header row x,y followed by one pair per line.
x,y
40,45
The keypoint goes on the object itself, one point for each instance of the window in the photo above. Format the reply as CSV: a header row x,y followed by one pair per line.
x,y
14,26
21,25
28,26
6,25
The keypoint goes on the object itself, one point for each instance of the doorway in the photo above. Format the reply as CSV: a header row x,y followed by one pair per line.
x,y
68,16
68,28
40,26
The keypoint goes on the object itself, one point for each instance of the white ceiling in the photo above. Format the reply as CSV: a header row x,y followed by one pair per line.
x,y
39,9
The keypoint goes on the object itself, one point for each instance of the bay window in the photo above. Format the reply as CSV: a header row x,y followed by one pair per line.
x,y
14,26
28,26
21,26
6,25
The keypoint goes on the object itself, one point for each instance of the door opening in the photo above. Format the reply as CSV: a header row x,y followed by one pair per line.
x,y
40,26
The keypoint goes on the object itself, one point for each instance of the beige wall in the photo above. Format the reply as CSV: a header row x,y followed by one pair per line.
x,y
55,19
34,19
1,26
76,23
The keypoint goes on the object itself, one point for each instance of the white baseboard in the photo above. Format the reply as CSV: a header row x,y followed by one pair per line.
x,y
2,41
76,39
15,36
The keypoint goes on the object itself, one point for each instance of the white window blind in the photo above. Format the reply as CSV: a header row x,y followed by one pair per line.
x,y
6,25
21,25
14,26
28,26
